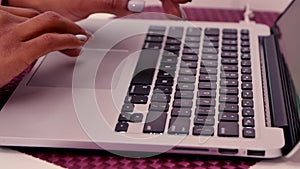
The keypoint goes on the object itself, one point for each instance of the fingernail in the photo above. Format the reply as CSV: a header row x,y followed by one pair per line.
x,y
81,37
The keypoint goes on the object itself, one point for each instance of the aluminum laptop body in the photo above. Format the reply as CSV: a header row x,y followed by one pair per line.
x,y
105,100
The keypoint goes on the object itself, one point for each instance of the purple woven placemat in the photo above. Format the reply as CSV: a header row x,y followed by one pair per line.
x,y
75,159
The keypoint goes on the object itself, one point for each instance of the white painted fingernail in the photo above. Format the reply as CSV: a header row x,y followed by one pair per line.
x,y
81,37
136,5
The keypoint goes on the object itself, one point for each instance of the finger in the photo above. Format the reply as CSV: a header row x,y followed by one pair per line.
x,y
117,7
8,18
171,7
23,12
182,1
48,22
72,52
49,42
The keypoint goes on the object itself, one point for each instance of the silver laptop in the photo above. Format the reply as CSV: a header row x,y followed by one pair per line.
x,y
144,87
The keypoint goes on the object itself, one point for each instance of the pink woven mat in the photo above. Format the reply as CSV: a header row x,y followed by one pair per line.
x,y
75,159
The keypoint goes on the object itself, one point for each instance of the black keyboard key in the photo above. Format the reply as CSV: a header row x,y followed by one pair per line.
x,y
139,99
189,64
232,117
206,93
228,129
207,78
247,86
155,122
172,47
185,87
229,48
192,39
207,85
210,51
229,75
184,95
229,68
156,39
157,28
246,70
205,111
206,102
121,127
211,44
245,38
208,70
247,103
248,122
245,50
186,103
246,63
173,41
211,38
245,44
139,90
203,130
187,79
187,71
229,55
245,56
174,54
228,99
161,107
229,61
204,120
136,117
168,67
249,132
246,78
229,36
128,107
169,60
212,31
182,112
190,51
209,57
248,112
164,81
245,32
234,108
190,58
175,32
193,45
230,42
209,63
179,125
193,31
124,117
159,97
145,67
229,82
164,74
163,89
247,94
229,91
152,45
229,31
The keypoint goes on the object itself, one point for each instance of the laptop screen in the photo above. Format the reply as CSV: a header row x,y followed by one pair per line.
x,y
288,30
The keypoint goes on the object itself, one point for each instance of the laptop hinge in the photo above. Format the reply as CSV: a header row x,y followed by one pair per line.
x,y
282,94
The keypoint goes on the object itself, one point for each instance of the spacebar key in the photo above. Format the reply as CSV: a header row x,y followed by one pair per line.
x,y
155,122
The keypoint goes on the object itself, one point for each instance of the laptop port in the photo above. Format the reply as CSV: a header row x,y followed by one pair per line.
x,y
228,151
260,153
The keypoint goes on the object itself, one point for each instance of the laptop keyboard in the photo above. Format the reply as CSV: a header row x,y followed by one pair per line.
x,y
203,85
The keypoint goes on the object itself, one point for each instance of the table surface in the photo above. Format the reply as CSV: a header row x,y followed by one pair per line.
x,y
76,159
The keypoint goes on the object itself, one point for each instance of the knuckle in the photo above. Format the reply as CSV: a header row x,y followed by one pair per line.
x,y
51,16
48,39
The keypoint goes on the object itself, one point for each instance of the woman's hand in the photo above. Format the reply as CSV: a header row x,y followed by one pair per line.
x,y
80,9
27,35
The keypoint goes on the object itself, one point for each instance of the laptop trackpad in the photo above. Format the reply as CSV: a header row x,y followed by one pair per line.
x,y
57,70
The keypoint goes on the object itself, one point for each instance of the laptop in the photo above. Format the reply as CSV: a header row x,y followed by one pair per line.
x,y
144,87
